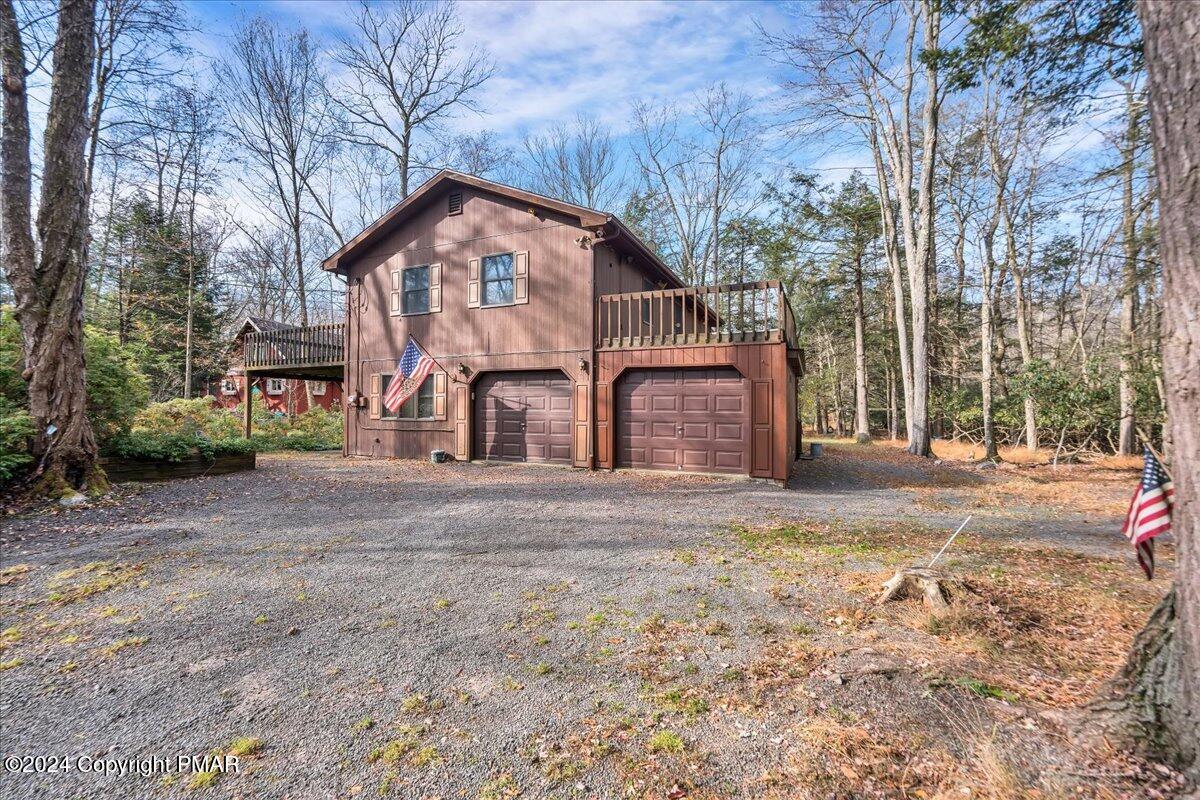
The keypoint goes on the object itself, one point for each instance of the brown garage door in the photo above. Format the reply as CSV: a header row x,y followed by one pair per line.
x,y
523,416
695,420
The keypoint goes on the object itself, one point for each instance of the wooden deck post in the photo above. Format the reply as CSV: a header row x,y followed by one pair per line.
x,y
248,411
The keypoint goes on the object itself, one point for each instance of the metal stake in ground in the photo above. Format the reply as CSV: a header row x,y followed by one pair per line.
x,y
953,536
921,582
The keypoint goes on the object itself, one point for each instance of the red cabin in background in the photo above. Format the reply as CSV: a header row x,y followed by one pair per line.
x,y
282,395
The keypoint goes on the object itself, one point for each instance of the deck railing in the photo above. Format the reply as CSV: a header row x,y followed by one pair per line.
x,y
311,346
726,313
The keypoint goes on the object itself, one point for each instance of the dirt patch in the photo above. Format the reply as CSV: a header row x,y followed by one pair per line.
x,y
410,630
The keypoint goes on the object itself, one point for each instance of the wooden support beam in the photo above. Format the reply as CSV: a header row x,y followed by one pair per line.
x,y
248,412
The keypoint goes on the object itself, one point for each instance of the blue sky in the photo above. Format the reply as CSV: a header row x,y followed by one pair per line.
x,y
556,59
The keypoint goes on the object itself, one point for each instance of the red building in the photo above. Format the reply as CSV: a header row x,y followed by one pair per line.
x,y
282,395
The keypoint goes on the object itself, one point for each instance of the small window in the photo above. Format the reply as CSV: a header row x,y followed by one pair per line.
x,y
318,388
274,385
229,386
498,280
415,287
419,406
455,204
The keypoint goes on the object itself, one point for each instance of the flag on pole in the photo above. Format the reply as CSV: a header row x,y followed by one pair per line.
x,y
411,372
1149,512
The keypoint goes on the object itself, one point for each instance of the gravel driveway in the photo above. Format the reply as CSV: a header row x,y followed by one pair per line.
x,y
404,628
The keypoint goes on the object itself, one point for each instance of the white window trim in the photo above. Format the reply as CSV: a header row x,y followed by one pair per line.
x,y
318,388
272,383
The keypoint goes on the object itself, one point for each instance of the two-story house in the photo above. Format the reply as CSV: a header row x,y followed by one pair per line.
x,y
558,337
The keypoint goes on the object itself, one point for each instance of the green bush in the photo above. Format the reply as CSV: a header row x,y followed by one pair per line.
x,y
175,429
15,429
166,430
317,429
164,446
198,416
116,386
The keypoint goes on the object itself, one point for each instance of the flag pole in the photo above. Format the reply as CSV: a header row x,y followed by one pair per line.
x,y
1155,453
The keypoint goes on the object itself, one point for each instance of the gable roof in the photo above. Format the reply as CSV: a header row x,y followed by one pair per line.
x,y
588,218
261,324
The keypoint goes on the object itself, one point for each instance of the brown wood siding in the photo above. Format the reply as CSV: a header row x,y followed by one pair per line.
x,y
764,365
617,275
552,330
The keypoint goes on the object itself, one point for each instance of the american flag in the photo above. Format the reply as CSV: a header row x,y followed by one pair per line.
x,y
411,371
1149,511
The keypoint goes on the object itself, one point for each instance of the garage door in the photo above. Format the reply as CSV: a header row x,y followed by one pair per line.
x,y
694,420
523,416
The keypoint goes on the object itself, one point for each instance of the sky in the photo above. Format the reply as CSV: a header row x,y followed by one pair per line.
x,y
555,60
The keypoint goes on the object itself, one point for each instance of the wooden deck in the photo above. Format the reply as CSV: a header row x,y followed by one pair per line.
x,y
315,352
732,313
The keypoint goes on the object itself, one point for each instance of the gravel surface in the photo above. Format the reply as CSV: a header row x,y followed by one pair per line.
x,y
500,626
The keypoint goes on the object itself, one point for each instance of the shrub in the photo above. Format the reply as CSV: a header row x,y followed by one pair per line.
x,y
199,416
116,386
15,429
165,446
317,429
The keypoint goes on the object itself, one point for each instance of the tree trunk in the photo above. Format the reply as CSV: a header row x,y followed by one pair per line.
x,y
1127,443
986,369
919,443
49,288
862,426
1162,679
1024,335
892,248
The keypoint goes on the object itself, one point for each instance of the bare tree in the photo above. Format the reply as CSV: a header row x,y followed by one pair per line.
x,y
576,163
280,116
47,274
405,77
133,40
701,177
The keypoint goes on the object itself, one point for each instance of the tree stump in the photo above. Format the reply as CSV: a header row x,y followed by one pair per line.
x,y
916,582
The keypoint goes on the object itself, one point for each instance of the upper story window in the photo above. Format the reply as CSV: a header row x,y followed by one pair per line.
x,y
415,287
274,385
498,280
419,406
